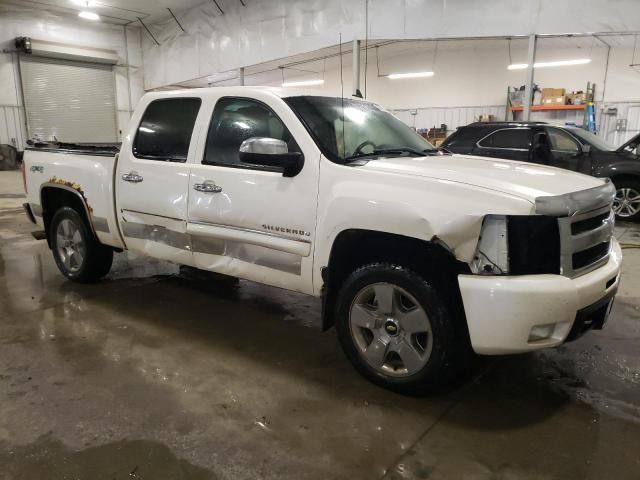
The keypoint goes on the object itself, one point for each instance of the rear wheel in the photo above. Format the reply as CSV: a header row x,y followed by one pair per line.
x,y
395,329
77,253
626,204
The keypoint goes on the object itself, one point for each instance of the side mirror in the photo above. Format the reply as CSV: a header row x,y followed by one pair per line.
x,y
271,152
586,149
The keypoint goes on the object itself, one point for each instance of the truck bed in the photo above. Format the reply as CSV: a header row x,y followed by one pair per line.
x,y
83,170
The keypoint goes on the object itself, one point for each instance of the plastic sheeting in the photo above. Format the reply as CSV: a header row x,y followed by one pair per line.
x,y
266,30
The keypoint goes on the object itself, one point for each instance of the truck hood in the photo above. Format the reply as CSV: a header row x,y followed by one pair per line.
x,y
520,179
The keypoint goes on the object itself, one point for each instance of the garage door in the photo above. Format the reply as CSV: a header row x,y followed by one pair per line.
x,y
67,100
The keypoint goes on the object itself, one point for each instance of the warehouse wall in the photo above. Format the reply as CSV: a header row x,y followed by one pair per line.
x,y
471,78
18,21
270,29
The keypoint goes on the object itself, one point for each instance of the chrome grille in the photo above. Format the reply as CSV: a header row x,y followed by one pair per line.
x,y
585,241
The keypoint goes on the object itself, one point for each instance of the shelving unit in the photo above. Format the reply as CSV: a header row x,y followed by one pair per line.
x,y
546,108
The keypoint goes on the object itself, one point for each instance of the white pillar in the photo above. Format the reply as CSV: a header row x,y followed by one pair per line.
x,y
528,89
355,73
241,75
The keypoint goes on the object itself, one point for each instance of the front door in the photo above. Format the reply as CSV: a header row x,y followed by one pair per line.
x,y
247,220
152,180
566,151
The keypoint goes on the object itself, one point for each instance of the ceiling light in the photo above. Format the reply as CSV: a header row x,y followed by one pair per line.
x,y
394,76
559,63
89,15
303,83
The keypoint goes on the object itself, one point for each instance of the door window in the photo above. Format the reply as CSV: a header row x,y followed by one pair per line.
x,y
562,141
510,138
236,120
165,130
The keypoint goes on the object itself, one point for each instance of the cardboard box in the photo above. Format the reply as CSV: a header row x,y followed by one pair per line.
x,y
576,98
486,118
553,96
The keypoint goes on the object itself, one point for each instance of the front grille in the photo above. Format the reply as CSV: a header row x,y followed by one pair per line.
x,y
585,241
587,257
589,224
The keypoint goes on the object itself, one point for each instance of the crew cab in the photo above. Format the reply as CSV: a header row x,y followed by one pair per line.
x,y
572,148
419,255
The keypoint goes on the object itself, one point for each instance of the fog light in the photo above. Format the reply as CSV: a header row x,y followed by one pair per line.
x,y
541,332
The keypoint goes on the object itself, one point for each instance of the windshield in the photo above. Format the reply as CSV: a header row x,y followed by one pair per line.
x,y
591,139
361,130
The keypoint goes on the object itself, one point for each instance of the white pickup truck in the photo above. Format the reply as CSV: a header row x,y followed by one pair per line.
x,y
418,254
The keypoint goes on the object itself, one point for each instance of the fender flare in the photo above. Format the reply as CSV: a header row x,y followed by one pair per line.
x,y
78,193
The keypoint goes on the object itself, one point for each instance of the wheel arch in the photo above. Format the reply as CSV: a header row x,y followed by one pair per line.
x,y
353,248
53,196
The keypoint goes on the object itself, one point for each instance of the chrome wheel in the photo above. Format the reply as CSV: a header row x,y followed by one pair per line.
x,y
70,246
626,202
390,329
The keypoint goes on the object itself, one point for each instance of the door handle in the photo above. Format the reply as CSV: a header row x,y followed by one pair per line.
x,y
207,187
132,177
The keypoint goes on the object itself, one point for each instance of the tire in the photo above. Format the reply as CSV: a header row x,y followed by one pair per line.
x,y
76,251
408,347
627,202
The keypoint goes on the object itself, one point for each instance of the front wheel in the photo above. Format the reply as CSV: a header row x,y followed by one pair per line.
x,y
77,253
395,329
626,203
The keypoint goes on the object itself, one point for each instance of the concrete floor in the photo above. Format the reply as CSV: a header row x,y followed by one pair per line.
x,y
158,373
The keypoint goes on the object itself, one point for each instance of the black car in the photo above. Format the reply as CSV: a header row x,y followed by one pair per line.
x,y
564,147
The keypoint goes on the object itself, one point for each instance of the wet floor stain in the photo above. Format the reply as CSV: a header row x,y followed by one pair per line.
x,y
48,458
168,372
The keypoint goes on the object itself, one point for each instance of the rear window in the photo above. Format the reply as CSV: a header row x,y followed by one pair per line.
x,y
165,130
511,138
463,137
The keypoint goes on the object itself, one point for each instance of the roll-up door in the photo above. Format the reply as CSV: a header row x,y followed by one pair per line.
x,y
71,101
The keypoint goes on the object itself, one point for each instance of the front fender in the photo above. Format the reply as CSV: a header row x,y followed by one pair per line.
x,y
446,212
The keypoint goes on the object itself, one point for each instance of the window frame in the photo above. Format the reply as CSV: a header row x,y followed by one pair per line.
x,y
578,143
167,159
241,165
478,144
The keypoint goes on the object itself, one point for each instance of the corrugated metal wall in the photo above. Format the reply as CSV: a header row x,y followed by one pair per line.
x,y
453,117
607,115
12,123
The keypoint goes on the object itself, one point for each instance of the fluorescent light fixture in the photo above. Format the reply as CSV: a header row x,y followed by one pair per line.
x,y
394,76
559,63
303,83
89,15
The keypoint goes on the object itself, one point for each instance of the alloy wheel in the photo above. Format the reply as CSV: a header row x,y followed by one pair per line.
x,y
626,202
70,246
390,329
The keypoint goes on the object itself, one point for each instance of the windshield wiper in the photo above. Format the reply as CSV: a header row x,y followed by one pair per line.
x,y
389,151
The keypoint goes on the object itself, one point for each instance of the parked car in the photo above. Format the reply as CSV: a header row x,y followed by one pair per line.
x,y
417,254
564,147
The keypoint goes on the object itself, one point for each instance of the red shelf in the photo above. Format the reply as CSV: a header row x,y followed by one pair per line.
x,y
545,108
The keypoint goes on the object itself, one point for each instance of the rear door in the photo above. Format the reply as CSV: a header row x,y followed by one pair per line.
x,y
252,222
152,179
510,143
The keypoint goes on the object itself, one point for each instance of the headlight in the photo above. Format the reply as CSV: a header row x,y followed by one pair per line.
x,y
492,254
518,245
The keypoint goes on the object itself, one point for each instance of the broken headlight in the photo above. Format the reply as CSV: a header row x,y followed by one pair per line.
x,y
518,245
492,254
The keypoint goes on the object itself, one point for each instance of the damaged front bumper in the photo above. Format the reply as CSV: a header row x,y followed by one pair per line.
x,y
513,314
